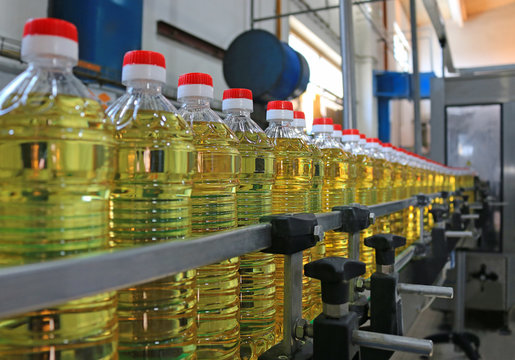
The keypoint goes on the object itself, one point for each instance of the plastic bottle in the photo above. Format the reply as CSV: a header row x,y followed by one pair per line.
x,y
213,209
311,310
292,184
334,190
350,183
150,203
383,186
254,199
397,184
299,125
56,171
353,142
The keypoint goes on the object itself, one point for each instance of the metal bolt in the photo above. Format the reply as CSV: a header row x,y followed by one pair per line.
x,y
299,329
372,218
318,231
360,284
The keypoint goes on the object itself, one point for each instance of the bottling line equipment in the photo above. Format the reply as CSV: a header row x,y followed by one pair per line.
x,y
365,316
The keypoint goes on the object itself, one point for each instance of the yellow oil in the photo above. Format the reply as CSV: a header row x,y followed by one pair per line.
x,y
55,176
150,203
384,169
334,193
319,250
214,209
317,181
366,192
257,270
290,194
398,193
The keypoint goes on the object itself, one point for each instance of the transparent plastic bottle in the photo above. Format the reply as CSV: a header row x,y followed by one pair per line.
x,y
299,125
213,209
254,198
56,171
383,183
292,184
334,190
350,183
410,214
398,186
311,310
365,187
150,203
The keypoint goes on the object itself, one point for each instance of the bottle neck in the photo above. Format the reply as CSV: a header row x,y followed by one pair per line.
x,y
144,86
280,122
323,136
51,63
196,101
238,112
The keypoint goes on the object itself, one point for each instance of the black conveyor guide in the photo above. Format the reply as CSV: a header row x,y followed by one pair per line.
x,y
35,286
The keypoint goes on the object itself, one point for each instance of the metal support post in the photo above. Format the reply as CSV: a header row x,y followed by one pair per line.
x,y
416,77
421,223
292,301
252,14
459,302
354,240
348,69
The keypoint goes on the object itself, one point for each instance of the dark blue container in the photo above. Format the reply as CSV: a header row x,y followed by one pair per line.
x,y
394,85
107,29
258,61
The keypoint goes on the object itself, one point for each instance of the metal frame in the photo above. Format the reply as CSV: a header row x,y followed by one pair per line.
x,y
31,287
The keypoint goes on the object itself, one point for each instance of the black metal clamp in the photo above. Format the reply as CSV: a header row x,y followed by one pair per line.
x,y
291,234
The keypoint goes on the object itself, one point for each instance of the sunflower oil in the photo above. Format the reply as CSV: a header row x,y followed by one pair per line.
x,y
150,203
365,189
336,175
290,194
56,172
254,200
213,209
311,310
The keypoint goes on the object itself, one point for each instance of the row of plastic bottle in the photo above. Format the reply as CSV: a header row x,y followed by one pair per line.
x,y
76,180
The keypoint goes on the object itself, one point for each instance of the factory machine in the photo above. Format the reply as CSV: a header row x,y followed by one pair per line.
x,y
360,316
471,125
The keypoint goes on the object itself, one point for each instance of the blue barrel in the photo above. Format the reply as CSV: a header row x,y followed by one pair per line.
x,y
107,29
258,61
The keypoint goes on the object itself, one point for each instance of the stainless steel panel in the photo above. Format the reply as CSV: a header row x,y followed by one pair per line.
x,y
474,139
508,222
488,294
510,281
480,89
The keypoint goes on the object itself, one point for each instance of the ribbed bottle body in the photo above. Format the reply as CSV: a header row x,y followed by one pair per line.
x,y
151,203
292,185
214,209
366,193
55,175
257,270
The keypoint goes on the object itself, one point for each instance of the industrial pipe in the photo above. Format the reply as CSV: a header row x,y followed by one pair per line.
x,y
392,342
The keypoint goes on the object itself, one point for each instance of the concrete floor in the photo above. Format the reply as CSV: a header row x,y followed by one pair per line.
x,y
493,345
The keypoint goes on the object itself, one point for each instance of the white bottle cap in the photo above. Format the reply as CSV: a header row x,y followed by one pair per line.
x,y
279,110
195,84
237,99
299,119
372,143
350,135
49,37
143,65
324,125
